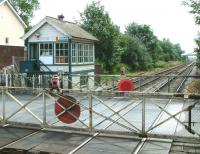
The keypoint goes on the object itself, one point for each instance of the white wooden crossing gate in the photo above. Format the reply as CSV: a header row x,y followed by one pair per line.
x,y
154,115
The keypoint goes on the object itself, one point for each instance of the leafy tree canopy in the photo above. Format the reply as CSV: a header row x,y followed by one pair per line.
x,y
143,33
174,51
138,48
97,21
197,50
25,8
194,5
158,50
135,54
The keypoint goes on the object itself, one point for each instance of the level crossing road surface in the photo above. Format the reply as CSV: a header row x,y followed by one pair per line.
x,y
58,142
130,108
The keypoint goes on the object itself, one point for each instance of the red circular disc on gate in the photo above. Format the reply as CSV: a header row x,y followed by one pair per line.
x,y
125,85
67,109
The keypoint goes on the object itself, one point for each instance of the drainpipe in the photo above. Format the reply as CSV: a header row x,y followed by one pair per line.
x,y
70,65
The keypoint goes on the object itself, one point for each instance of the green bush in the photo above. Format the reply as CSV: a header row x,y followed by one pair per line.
x,y
116,68
160,64
163,64
194,86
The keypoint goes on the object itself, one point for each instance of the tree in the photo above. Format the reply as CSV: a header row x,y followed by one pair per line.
x,y
197,50
171,51
135,54
143,33
146,36
95,20
178,52
156,49
194,5
25,9
138,48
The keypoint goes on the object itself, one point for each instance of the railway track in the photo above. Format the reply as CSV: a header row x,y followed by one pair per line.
x,y
123,110
145,80
163,79
176,84
144,140
185,71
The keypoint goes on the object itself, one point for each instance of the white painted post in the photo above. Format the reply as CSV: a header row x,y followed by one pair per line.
x,y
143,116
33,81
168,87
90,112
10,80
22,81
87,82
113,83
6,75
140,84
44,109
39,78
4,104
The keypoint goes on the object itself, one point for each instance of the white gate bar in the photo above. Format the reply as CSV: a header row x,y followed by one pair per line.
x,y
143,116
23,106
101,115
4,104
120,111
116,113
160,114
44,108
27,109
90,112
172,116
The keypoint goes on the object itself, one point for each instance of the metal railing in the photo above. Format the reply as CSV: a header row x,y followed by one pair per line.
x,y
148,83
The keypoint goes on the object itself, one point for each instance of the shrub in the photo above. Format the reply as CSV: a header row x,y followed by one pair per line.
x,y
116,68
194,86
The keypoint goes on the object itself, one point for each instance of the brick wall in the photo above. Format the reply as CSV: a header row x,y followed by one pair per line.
x,y
6,53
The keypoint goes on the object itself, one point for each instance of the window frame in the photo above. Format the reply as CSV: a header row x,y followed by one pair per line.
x,y
64,50
48,50
81,53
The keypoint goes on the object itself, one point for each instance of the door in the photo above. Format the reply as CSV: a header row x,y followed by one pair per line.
x,y
34,51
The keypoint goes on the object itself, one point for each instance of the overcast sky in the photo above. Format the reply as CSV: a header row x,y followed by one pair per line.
x,y
167,18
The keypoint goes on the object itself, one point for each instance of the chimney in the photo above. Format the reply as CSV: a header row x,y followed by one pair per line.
x,y
61,17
